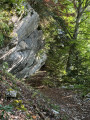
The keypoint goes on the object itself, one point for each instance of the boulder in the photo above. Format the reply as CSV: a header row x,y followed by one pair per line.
x,y
22,53
55,112
11,93
88,95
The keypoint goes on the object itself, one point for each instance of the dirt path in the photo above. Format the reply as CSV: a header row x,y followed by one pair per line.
x,y
72,106
70,103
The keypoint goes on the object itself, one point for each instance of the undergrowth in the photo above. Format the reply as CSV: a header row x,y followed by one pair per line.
x,y
8,8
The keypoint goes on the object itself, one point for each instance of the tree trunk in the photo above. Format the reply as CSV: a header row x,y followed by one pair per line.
x,y
73,53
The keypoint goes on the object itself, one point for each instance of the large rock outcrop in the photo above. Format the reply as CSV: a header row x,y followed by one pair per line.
x,y
21,53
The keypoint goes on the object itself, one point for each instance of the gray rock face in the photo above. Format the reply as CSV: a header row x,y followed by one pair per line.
x,y
21,53
11,93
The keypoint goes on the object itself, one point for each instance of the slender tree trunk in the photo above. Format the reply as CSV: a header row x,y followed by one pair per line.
x,y
73,53
70,57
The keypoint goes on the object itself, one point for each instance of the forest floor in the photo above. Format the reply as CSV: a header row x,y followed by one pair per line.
x,y
29,104
72,105
44,103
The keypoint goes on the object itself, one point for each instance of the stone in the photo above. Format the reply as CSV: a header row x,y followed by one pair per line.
x,y
47,118
55,112
64,87
11,93
88,95
22,53
14,19
87,100
71,86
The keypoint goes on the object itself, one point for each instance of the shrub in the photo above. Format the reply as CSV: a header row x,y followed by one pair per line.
x,y
4,112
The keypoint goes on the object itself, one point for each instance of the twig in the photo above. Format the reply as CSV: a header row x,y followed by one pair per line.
x,y
41,114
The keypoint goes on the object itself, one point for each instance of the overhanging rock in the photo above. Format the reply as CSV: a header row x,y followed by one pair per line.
x,y
21,53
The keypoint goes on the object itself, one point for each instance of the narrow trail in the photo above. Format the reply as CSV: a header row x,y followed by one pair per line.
x,y
70,103
72,106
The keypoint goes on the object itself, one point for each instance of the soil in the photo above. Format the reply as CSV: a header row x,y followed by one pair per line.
x,y
72,105
37,107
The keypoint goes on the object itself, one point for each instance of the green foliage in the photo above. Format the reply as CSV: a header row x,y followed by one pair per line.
x,y
34,94
1,39
19,105
55,107
4,112
4,27
5,66
57,47
64,15
18,2
8,8
48,82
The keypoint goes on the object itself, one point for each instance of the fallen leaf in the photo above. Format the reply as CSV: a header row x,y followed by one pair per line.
x,y
34,117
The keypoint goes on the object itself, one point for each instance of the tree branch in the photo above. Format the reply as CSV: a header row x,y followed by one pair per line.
x,y
78,19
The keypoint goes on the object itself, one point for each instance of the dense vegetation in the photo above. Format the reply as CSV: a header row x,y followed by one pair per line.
x,y
66,29
65,24
8,8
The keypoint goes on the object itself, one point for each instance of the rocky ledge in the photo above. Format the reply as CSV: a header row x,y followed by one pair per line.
x,y
22,53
